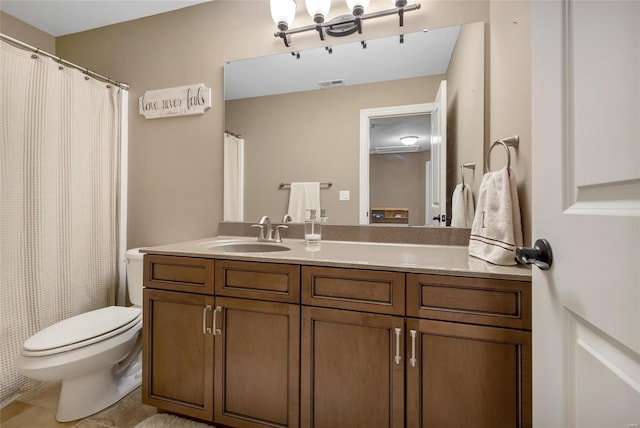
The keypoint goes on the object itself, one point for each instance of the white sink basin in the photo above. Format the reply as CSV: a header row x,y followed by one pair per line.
x,y
251,247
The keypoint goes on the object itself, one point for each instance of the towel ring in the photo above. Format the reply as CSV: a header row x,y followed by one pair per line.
x,y
505,142
489,154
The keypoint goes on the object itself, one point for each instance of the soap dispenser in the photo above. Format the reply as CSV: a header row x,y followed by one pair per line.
x,y
312,229
323,216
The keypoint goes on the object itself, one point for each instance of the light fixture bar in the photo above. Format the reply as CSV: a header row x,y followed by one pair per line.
x,y
345,25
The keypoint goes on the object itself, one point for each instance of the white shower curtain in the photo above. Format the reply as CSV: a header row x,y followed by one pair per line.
x,y
59,135
233,192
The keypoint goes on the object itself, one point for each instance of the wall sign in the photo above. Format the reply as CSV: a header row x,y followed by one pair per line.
x,y
178,101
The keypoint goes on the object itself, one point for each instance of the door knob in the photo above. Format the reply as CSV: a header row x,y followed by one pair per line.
x,y
540,255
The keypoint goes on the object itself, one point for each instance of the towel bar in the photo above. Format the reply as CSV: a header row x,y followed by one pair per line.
x,y
322,185
505,142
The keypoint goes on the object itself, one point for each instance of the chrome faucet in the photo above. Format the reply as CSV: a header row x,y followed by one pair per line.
x,y
266,233
266,224
277,237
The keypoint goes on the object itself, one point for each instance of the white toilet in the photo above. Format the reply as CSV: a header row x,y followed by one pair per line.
x,y
97,355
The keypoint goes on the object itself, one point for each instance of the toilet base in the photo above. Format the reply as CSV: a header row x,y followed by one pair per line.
x,y
85,395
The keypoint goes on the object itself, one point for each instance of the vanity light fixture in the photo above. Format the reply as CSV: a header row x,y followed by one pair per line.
x,y
409,140
283,12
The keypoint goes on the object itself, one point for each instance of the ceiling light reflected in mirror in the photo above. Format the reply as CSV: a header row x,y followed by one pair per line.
x,y
409,140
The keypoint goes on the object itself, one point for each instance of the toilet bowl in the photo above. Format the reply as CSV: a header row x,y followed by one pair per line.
x,y
97,355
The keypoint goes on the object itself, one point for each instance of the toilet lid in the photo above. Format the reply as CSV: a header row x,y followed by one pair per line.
x,y
82,328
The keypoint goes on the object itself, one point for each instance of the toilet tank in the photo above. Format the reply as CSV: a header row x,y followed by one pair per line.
x,y
134,275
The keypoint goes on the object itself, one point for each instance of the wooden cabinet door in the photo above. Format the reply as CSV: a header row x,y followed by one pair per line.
x,y
350,376
257,363
467,375
177,369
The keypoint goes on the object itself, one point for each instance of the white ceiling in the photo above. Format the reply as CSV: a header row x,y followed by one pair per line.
x,y
60,17
385,133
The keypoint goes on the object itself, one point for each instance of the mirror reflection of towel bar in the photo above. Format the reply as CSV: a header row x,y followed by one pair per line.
x,y
506,143
470,165
322,185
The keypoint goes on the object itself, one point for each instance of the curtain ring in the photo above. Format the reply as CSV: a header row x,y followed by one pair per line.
x,y
489,154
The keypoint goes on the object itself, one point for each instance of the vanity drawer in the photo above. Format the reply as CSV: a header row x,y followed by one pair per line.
x,y
254,280
188,274
359,290
492,302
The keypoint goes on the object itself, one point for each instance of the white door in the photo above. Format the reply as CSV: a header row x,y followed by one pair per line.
x,y
586,203
439,157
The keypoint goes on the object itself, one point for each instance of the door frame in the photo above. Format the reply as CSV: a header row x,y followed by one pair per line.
x,y
366,115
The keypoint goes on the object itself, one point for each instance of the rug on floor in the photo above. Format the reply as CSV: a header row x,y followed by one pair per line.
x,y
165,420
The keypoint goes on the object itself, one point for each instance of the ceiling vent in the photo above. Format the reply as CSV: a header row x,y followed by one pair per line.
x,y
396,149
324,84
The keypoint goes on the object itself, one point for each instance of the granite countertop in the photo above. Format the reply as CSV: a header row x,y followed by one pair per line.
x,y
431,259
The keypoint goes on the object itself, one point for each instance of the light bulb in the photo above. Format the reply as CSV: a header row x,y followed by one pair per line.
x,y
283,11
358,7
318,9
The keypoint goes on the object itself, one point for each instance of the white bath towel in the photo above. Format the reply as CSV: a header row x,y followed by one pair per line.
x,y
304,196
462,206
497,229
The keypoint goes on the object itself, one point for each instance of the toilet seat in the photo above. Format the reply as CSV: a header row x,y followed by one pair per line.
x,y
82,330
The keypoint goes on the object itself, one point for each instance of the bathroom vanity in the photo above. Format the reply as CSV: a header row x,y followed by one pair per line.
x,y
352,335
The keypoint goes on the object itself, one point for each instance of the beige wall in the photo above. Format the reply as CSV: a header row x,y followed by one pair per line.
x,y
287,138
24,32
465,109
175,187
510,81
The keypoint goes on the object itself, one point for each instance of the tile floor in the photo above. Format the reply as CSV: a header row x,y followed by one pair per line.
x,y
38,410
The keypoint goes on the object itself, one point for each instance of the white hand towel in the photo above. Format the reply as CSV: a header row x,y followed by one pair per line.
x,y
462,206
497,228
303,196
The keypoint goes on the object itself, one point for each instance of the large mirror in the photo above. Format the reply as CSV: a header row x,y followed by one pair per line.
x,y
300,116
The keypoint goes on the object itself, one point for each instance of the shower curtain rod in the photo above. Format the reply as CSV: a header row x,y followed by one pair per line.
x,y
64,61
233,134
